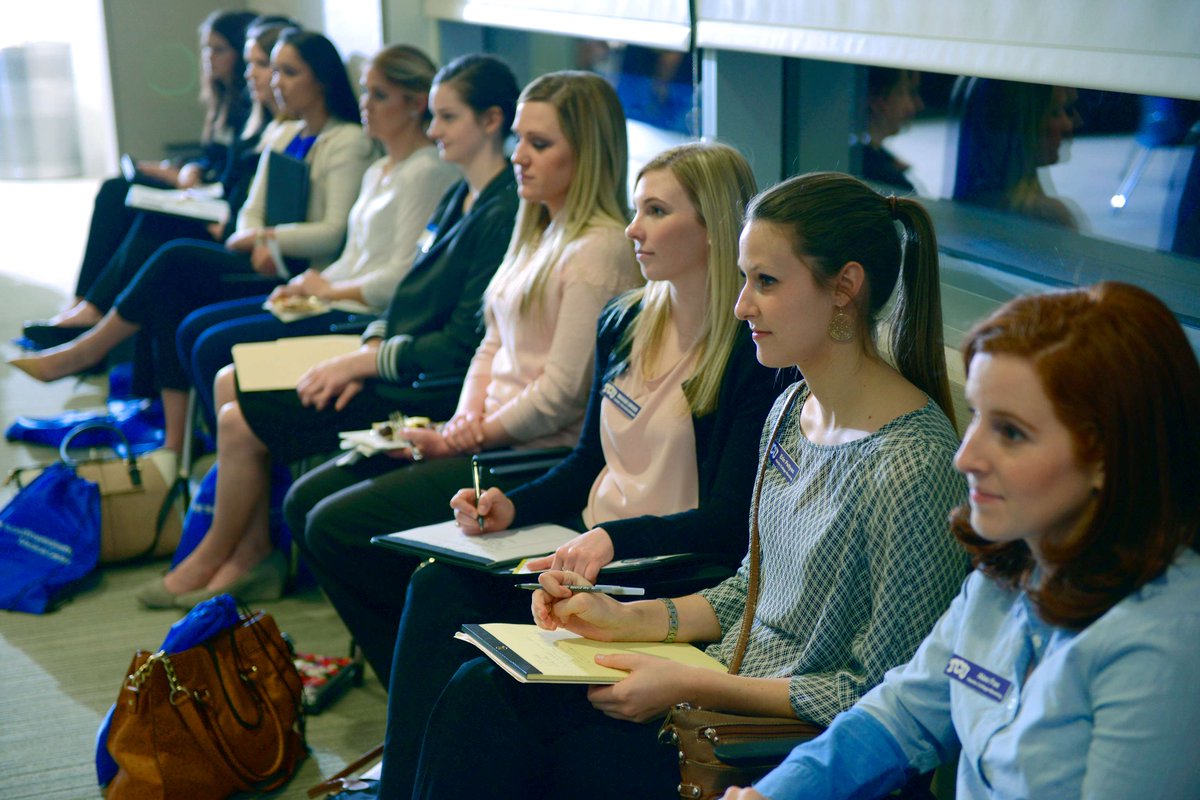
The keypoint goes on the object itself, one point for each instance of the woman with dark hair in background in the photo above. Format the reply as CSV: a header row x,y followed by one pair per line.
x,y
1008,130
1066,665
119,233
399,192
152,230
310,83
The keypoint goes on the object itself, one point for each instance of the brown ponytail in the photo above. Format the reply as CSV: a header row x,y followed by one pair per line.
x,y
834,219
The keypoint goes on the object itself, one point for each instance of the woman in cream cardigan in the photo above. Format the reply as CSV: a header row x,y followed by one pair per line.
x,y
310,83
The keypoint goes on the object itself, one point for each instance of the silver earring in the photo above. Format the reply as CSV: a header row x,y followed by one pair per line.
x,y
841,327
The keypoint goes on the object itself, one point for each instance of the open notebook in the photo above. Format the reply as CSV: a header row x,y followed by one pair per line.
x,y
533,655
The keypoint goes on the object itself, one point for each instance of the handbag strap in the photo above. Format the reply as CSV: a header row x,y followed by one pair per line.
x,y
743,641
120,446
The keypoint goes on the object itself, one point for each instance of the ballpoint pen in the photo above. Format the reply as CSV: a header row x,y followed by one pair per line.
x,y
476,475
599,589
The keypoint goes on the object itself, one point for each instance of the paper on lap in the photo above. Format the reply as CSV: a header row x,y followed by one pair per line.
x,y
273,366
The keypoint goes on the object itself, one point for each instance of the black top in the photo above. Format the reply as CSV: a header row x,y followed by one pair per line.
x,y
434,321
726,454
240,164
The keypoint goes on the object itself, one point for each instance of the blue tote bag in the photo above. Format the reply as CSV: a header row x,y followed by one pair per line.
x,y
49,539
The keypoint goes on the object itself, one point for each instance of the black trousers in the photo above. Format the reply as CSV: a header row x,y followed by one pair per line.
x,y
292,431
334,511
440,599
146,234
110,223
489,736
179,278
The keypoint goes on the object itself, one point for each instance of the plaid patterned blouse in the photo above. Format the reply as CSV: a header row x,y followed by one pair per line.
x,y
857,558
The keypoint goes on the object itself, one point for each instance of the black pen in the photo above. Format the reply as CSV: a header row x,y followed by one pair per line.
x,y
477,476
601,589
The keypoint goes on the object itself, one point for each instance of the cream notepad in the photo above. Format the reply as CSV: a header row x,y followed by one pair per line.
x,y
271,366
533,655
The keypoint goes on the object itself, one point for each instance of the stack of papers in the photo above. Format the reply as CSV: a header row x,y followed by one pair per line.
x,y
203,204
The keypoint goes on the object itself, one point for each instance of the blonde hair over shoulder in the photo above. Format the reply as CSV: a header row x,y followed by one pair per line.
x,y
593,123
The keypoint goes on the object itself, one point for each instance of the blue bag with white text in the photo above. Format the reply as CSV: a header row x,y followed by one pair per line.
x,y
49,539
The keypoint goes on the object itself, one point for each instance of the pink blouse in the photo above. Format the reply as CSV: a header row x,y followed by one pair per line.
x,y
648,441
537,365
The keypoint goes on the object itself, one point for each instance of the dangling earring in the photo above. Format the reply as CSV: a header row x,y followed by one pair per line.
x,y
841,327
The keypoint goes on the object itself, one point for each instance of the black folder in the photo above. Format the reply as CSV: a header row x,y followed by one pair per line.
x,y
287,189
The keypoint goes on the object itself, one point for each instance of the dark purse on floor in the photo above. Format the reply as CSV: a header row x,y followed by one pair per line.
x,y
213,720
718,750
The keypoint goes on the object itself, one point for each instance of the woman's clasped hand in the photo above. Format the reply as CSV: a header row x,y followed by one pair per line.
x,y
653,683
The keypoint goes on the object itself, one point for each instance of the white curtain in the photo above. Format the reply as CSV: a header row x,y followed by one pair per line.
x,y
664,24
1138,46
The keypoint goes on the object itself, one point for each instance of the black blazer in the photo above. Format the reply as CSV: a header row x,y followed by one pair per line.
x,y
434,321
727,442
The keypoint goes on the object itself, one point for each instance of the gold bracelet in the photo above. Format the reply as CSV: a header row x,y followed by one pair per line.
x,y
672,619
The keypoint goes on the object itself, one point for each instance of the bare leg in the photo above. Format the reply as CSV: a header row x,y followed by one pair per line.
x,y
224,386
81,315
240,528
86,351
175,416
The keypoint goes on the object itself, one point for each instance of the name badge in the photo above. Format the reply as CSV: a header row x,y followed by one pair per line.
x,y
621,400
425,240
987,683
780,459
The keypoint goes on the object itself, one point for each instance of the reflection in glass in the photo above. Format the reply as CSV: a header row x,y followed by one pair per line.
x,y
893,99
1007,131
655,86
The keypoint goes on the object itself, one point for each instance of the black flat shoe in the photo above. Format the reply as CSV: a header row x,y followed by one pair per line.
x,y
45,335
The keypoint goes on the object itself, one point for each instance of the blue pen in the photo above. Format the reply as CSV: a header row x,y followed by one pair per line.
x,y
632,591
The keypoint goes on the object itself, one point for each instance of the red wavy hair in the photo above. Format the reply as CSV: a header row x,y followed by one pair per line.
x,y
1124,380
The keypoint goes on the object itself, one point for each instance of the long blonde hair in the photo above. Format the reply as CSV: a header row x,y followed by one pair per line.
x,y
719,184
593,123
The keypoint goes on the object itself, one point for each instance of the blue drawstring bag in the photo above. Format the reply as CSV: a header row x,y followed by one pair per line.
x,y
141,421
49,539
204,621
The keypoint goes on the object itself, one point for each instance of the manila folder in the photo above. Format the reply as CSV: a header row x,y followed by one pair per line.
x,y
533,655
271,366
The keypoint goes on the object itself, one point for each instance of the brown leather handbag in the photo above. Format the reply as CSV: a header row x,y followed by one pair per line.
x,y
219,718
719,750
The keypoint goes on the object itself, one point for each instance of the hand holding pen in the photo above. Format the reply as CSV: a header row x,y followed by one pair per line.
x,y
593,614
496,509
626,591
477,477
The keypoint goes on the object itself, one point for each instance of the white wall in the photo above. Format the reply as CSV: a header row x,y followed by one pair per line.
x,y
79,23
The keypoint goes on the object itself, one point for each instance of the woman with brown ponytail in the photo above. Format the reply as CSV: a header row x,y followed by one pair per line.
x,y
849,545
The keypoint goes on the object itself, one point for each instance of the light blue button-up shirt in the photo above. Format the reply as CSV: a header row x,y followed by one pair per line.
x,y
1112,711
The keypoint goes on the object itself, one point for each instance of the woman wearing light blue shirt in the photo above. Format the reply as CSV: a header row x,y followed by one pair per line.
x,y
1066,666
